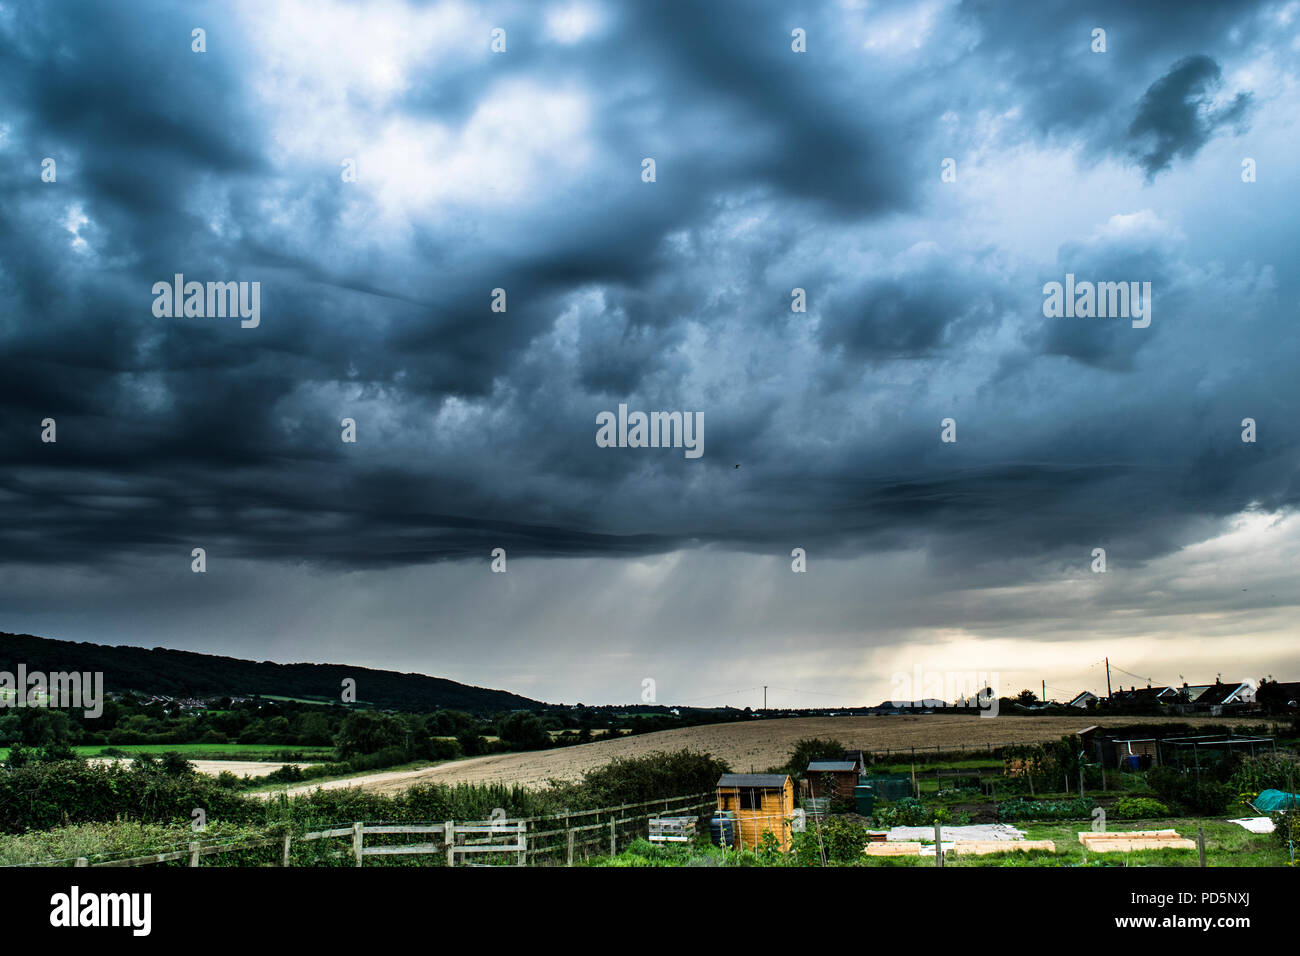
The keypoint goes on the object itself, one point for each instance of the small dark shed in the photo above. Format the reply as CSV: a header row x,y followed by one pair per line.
x,y
832,778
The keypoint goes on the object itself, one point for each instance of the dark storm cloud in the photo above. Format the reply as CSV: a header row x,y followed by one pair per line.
x,y
1177,117
1068,90
476,429
910,316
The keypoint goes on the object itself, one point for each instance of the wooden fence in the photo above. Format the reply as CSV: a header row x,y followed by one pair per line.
x,y
550,838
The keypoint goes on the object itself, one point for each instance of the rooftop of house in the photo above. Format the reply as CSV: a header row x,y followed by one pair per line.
x,y
1218,693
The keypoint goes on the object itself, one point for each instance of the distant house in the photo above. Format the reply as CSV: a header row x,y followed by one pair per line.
x,y
1144,698
832,778
1191,693
1085,700
761,803
1218,696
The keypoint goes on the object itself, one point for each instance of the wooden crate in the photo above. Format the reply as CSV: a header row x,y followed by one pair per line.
x,y
1128,841
959,847
892,849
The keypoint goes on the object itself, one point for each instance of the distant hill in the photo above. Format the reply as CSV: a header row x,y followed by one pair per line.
x,y
187,674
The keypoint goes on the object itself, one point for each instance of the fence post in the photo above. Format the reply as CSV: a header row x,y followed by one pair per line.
x,y
613,838
285,859
82,861
1200,844
194,853
570,863
358,838
938,845
523,843
449,828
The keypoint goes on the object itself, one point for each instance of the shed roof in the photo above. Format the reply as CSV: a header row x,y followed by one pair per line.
x,y
773,780
829,766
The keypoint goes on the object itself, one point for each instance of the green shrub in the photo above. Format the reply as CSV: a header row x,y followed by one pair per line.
x,y
173,763
289,773
910,812
1265,772
439,749
637,779
1138,808
1207,798
841,839
45,795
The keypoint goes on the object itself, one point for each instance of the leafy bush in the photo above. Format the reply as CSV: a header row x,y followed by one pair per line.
x,y
1207,798
908,812
1286,827
368,732
439,749
379,759
636,779
289,773
1265,772
173,763
45,795
1138,808
841,839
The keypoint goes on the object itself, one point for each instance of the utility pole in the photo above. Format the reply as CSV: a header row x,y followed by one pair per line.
x,y
765,697
1044,697
1108,678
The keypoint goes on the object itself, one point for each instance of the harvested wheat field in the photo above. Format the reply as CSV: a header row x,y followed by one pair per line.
x,y
752,745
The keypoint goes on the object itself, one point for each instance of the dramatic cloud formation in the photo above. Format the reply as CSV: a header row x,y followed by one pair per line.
x,y
1177,114
522,171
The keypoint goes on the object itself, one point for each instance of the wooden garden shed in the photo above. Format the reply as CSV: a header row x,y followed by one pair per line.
x,y
832,778
761,802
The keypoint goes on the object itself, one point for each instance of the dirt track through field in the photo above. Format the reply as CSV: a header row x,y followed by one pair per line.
x,y
755,745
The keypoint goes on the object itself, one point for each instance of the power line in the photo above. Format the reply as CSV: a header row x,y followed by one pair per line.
x,y
1130,673
725,693
819,693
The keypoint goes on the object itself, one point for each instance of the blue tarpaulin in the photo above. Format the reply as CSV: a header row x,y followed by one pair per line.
x,y
1272,800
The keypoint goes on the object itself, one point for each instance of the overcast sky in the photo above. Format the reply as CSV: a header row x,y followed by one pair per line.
x,y
774,170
